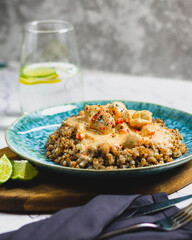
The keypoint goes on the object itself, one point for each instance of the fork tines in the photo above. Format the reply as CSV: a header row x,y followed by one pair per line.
x,y
183,216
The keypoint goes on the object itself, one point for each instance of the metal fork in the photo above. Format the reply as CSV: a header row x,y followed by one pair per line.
x,y
168,224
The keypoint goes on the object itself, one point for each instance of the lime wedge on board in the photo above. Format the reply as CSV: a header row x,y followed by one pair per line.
x,y
5,169
23,170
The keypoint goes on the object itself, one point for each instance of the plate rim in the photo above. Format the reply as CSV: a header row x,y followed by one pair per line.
x,y
168,165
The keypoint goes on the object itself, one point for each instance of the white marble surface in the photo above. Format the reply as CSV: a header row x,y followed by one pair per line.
x,y
98,85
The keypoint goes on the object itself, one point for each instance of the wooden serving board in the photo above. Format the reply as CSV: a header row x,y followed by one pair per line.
x,y
51,192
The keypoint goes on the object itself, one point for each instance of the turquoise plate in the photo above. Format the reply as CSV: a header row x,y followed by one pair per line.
x,y
27,136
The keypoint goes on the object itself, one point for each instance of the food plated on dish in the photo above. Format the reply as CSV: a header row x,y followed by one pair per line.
x,y
28,135
113,137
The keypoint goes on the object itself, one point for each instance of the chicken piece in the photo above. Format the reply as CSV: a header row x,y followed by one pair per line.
x,y
140,118
132,140
103,122
118,110
90,111
148,130
99,119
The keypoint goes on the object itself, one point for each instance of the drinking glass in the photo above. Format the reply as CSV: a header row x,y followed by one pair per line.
x,y
50,72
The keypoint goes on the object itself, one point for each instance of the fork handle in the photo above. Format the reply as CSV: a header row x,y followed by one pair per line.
x,y
127,229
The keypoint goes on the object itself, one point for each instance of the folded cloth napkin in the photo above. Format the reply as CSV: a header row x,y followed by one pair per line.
x,y
99,216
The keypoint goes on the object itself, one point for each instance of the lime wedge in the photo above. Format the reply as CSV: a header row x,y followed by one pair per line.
x,y
39,72
5,169
23,170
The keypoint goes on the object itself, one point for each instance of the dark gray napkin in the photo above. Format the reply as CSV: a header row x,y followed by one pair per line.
x,y
99,216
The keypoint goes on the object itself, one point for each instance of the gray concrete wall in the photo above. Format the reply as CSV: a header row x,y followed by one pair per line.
x,y
140,37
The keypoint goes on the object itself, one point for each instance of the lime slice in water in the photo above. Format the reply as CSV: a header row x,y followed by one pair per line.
x,y
39,72
38,75
30,81
5,169
23,170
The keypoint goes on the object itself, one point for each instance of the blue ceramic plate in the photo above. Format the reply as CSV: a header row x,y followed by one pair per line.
x,y
28,135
